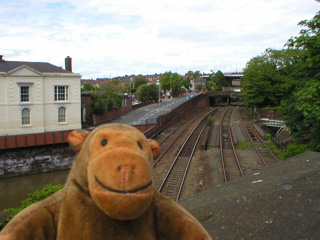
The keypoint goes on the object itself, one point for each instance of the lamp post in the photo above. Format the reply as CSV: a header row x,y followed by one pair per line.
x,y
159,83
130,95
170,82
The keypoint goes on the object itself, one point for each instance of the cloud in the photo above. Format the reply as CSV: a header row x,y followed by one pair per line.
x,y
112,38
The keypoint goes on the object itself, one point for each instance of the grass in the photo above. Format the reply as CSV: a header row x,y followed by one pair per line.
x,y
243,145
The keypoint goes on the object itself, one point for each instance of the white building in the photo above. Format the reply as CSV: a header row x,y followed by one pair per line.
x,y
38,97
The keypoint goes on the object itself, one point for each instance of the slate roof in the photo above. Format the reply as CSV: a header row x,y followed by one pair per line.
x,y
42,67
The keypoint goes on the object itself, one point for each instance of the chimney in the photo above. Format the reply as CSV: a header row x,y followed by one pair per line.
x,y
1,58
68,61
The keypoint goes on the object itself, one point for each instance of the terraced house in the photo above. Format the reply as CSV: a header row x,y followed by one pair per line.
x,y
38,97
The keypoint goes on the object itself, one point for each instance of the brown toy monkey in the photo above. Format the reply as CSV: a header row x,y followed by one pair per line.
x,y
108,195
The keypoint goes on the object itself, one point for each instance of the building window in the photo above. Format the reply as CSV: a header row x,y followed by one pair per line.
x,y
25,116
61,93
25,93
62,115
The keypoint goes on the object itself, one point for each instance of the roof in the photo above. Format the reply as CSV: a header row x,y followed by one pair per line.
x,y
43,67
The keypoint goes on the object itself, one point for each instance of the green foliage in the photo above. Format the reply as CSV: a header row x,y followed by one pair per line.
x,y
290,80
186,83
211,86
172,79
89,87
243,145
273,147
113,86
196,74
199,86
220,80
148,92
261,82
101,103
115,99
294,149
98,105
210,121
37,196
137,82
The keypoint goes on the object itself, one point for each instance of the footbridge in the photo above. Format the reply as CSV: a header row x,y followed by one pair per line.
x,y
274,123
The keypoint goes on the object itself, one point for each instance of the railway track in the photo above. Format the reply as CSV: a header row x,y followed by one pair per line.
x,y
172,184
266,156
229,159
177,133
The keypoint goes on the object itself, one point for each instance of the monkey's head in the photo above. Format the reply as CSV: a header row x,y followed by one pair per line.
x,y
115,160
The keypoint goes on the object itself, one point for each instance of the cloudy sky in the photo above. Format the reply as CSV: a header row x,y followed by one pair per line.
x,y
109,38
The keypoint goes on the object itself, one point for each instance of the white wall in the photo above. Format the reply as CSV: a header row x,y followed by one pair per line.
x,y
44,111
3,108
73,106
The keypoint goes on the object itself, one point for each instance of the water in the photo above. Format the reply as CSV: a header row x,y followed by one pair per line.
x,y
14,190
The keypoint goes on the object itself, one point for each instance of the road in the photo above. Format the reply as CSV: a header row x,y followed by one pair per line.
x,y
151,112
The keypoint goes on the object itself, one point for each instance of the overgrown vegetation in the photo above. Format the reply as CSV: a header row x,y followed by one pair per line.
x,y
243,144
148,92
101,103
216,81
289,79
37,196
294,149
210,121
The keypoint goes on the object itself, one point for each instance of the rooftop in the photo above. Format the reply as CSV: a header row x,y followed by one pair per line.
x,y
43,67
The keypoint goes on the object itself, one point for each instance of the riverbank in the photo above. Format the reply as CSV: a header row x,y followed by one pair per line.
x,y
14,190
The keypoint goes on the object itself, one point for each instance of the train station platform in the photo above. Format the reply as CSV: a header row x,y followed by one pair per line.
x,y
278,202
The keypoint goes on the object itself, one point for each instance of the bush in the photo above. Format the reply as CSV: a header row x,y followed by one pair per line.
x,y
37,196
102,103
294,149
148,92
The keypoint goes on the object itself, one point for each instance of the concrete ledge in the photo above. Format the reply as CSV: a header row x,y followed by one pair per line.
x,y
278,202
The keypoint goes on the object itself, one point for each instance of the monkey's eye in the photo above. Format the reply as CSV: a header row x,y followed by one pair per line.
x,y
140,145
104,142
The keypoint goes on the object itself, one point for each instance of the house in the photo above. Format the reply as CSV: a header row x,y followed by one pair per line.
x,y
38,97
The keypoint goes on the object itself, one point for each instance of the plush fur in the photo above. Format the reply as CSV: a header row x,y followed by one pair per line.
x,y
108,195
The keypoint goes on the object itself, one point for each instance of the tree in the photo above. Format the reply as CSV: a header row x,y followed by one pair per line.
x,y
196,74
290,80
220,80
199,87
171,81
211,86
112,86
302,109
186,83
138,81
101,103
87,87
260,83
147,92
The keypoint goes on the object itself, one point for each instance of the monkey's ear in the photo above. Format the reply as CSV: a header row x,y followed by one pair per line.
x,y
155,146
76,138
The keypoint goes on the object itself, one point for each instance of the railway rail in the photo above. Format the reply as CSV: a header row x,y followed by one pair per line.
x,y
176,134
266,156
172,183
229,159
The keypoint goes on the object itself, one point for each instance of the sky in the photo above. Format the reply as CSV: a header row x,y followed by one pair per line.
x,y
110,38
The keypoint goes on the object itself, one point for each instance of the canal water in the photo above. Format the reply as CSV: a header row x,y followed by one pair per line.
x,y
14,190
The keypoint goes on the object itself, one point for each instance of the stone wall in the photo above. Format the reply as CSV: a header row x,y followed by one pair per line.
x,y
34,160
